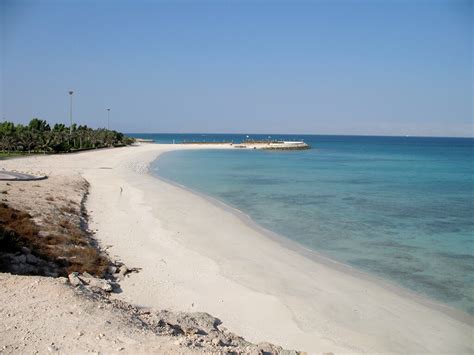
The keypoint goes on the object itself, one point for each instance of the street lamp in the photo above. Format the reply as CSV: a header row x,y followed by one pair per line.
x,y
108,119
70,111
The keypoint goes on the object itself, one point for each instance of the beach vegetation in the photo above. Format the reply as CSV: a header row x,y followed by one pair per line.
x,y
39,137
70,248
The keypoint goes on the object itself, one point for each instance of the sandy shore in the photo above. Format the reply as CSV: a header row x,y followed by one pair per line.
x,y
197,256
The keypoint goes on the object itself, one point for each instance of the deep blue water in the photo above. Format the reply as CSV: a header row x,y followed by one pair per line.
x,y
397,207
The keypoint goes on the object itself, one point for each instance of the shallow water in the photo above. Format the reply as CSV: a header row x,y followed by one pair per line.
x,y
400,208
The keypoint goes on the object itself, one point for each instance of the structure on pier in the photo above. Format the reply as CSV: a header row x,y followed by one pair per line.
x,y
273,145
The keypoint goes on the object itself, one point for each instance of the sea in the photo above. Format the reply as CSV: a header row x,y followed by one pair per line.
x,y
400,208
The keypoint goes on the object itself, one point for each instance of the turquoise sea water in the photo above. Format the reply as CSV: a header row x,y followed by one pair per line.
x,y
400,208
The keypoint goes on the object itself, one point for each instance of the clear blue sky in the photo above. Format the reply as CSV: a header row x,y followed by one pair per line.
x,y
323,67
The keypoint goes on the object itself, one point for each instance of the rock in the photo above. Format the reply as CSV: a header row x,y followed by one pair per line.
x,y
8,259
197,322
74,279
22,268
90,280
15,268
21,259
31,259
112,269
269,348
216,342
289,352
123,270
191,331
25,250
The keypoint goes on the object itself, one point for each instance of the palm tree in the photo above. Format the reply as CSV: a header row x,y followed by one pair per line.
x,y
8,142
27,139
46,141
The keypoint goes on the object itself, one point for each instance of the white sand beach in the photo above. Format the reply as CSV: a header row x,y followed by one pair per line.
x,y
195,255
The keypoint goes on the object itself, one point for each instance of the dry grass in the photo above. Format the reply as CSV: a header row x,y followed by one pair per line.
x,y
71,248
15,228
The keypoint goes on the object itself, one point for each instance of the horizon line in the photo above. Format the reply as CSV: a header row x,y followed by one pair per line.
x,y
308,134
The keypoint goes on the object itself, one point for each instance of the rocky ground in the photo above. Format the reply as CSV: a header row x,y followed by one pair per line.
x,y
49,315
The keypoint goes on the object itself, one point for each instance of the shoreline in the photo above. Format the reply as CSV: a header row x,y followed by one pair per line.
x,y
320,257
196,256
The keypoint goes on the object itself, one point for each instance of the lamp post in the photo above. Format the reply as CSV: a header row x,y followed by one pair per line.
x,y
108,119
70,111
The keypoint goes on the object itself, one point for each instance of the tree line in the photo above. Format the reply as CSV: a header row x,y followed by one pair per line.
x,y
39,137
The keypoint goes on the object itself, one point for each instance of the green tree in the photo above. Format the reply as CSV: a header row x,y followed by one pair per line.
x,y
39,125
38,136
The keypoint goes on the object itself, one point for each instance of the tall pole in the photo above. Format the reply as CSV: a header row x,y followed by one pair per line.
x,y
108,119
70,111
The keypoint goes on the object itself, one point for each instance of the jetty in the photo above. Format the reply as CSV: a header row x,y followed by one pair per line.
x,y
266,144
273,145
